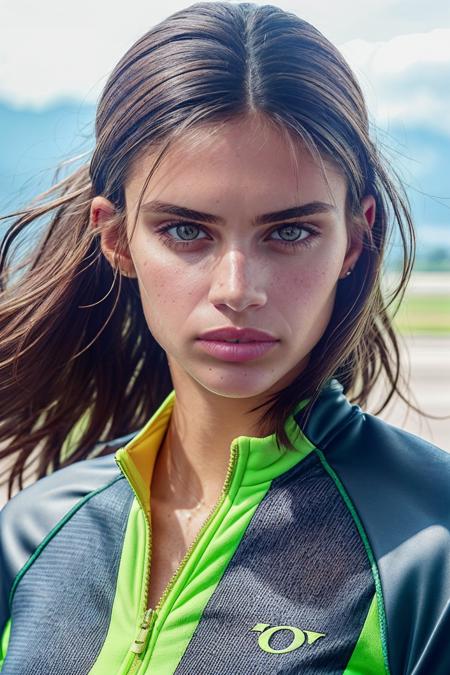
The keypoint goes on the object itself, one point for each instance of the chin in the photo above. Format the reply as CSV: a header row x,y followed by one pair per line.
x,y
239,385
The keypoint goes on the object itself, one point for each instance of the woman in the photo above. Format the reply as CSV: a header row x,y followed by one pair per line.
x,y
216,268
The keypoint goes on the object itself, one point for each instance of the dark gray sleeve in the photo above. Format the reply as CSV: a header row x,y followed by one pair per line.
x,y
435,656
29,517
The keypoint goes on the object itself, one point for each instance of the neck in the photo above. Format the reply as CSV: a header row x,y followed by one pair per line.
x,y
193,460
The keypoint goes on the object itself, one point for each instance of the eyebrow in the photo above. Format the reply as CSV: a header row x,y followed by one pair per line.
x,y
294,212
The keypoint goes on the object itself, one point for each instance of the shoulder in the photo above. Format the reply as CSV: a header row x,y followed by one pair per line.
x,y
54,495
397,481
399,484
34,511
29,518
367,451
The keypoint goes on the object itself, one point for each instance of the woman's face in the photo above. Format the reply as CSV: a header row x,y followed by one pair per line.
x,y
239,267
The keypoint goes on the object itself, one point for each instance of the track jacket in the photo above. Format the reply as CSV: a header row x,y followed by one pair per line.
x,y
333,559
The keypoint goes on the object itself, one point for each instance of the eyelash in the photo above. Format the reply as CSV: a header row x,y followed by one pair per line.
x,y
169,241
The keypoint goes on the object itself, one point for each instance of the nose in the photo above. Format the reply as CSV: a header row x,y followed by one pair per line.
x,y
237,283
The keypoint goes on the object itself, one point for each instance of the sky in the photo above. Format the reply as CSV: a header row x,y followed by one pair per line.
x,y
399,50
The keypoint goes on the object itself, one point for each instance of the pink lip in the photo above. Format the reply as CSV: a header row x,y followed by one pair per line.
x,y
236,352
242,334
255,343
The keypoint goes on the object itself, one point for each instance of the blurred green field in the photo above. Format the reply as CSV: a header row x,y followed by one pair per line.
x,y
424,315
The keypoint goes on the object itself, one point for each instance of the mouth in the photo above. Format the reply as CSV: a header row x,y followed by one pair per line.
x,y
237,342
236,349
232,335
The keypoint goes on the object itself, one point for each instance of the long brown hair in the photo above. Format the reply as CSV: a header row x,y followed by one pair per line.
x,y
78,364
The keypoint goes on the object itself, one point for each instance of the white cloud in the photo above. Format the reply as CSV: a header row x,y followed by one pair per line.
x,y
406,79
51,50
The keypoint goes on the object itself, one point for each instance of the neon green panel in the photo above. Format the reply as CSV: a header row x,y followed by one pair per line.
x,y
4,642
114,656
367,657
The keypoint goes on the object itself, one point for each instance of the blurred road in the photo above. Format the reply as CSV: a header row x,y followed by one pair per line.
x,y
428,361
428,283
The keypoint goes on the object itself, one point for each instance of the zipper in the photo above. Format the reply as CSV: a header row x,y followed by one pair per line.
x,y
140,646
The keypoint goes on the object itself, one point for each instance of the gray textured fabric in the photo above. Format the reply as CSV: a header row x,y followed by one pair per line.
x,y
62,604
300,563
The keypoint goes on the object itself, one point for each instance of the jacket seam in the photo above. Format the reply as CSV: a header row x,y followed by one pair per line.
x,y
373,564
52,533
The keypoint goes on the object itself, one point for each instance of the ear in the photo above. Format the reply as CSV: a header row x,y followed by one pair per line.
x,y
104,217
368,206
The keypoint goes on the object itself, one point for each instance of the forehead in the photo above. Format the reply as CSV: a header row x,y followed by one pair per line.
x,y
236,159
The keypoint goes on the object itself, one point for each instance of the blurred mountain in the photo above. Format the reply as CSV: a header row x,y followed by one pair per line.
x,y
33,142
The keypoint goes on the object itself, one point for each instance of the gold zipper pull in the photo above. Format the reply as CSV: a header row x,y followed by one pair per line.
x,y
138,645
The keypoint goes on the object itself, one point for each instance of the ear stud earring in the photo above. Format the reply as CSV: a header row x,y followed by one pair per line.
x,y
128,275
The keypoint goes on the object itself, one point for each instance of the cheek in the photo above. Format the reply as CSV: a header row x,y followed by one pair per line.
x,y
308,288
163,283
167,293
171,280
